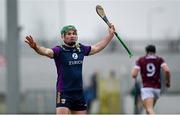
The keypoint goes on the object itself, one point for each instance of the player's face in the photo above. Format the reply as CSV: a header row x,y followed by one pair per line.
x,y
70,37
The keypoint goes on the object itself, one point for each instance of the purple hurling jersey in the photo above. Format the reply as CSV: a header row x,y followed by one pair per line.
x,y
150,66
69,63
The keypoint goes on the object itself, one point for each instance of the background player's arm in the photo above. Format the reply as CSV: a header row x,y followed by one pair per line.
x,y
134,72
103,43
167,74
39,49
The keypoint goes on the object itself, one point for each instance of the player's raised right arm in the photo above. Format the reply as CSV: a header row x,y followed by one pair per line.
x,y
39,49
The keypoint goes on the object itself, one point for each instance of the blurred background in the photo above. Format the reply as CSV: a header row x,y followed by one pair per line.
x,y
28,81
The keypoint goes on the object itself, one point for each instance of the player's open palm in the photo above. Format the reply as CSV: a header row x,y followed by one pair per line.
x,y
29,40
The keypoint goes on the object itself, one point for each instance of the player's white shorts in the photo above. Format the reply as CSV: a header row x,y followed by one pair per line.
x,y
150,92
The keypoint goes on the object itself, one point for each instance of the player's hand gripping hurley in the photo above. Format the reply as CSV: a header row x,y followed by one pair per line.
x,y
101,13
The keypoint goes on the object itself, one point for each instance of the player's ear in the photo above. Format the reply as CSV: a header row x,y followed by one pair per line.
x,y
62,37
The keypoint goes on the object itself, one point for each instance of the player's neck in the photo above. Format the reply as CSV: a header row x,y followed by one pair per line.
x,y
149,54
71,46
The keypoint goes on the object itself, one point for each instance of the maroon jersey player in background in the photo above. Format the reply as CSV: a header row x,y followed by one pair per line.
x,y
150,68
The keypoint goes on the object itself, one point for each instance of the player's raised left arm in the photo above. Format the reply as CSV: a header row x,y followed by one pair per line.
x,y
104,42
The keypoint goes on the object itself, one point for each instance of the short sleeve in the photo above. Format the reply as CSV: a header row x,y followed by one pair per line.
x,y
56,51
161,61
86,49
